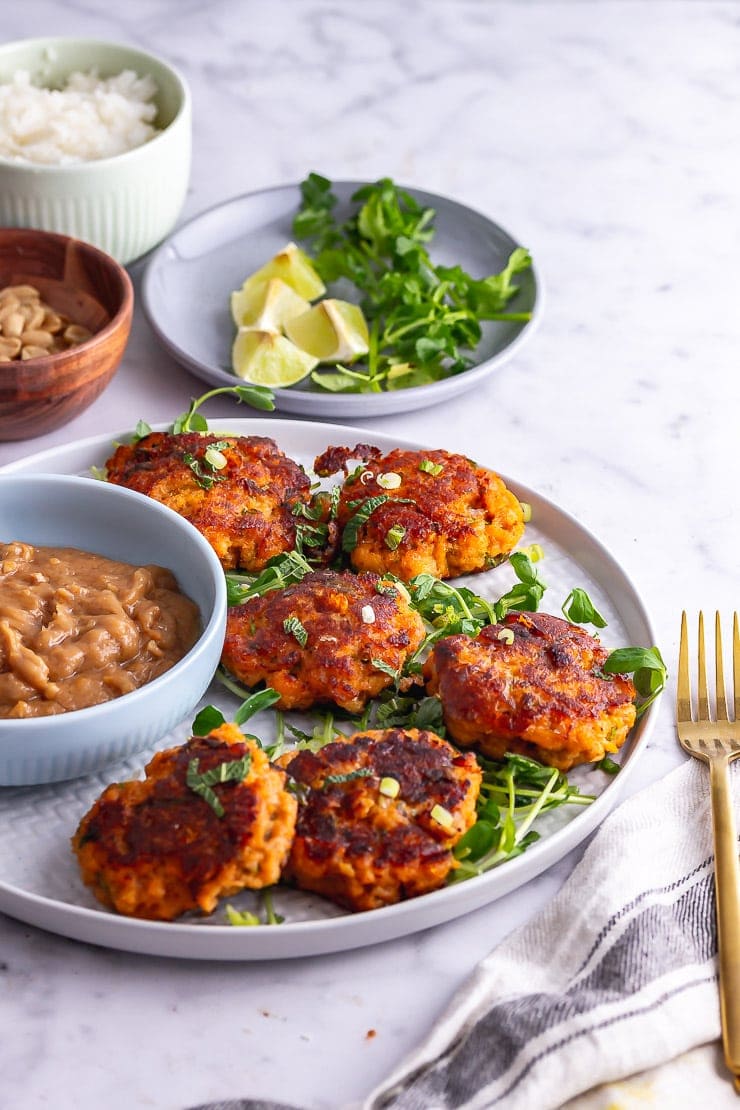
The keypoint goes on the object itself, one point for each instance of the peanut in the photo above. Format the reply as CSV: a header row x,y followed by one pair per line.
x,y
30,328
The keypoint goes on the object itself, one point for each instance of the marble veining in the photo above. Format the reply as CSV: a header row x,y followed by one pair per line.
x,y
602,135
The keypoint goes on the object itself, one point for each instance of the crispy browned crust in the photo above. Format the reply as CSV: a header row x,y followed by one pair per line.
x,y
543,695
363,849
246,514
336,665
155,849
456,522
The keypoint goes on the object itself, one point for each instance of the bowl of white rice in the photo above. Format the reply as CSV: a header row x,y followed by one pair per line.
x,y
95,142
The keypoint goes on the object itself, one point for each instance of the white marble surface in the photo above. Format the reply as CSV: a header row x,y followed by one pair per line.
x,y
604,136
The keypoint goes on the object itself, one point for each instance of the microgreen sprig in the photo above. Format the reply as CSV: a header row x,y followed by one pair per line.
x,y
258,396
210,717
515,791
243,918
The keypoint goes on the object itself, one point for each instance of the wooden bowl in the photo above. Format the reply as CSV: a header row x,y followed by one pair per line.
x,y
79,281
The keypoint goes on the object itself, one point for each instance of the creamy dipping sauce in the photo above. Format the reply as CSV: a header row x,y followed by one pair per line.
x,y
77,629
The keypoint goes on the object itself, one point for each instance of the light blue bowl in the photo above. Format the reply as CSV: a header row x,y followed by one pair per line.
x,y
64,511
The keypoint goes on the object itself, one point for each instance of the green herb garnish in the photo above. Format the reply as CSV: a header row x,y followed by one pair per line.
x,y
579,609
347,776
608,766
245,918
258,396
514,792
649,672
385,668
233,770
429,467
293,627
141,430
254,702
205,477
394,536
425,319
279,571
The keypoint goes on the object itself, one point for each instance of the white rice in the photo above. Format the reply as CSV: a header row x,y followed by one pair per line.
x,y
89,118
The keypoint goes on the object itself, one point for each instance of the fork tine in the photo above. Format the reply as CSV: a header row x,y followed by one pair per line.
x,y
736,664
683,682
719,681
703,700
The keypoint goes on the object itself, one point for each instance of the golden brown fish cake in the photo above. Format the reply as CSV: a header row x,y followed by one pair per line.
x,y
441,514
154,848
243,505
532,684
349,626
379,814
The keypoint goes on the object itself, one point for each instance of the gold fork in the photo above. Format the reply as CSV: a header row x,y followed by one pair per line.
x,y
715,738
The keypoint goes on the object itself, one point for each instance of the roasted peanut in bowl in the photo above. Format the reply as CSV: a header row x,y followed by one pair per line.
x,y
112,620
65,318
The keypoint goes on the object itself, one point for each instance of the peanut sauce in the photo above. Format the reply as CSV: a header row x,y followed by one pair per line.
x,y
78,629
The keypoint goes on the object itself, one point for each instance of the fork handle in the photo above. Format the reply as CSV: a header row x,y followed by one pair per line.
x,y
727,888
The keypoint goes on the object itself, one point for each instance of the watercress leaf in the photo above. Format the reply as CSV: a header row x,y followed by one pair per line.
x,y
258,396
628,660
477,841
206,720
255,703
141,430
647,668
608,766
429,715
579,609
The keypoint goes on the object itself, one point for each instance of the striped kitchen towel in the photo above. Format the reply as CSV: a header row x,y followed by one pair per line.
x,y
616,975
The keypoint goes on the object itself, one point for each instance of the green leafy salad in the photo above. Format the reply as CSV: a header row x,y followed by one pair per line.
x,y
424,318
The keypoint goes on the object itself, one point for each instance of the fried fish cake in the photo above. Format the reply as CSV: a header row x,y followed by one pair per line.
x,y
379,814
432,512
155,848
532,684
333,637
239,491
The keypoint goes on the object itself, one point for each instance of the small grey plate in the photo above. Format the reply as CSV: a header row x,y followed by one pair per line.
x,y
187,283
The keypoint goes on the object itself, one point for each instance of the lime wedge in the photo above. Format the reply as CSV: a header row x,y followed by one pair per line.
x,y
266,358
295,268
266,305
331,331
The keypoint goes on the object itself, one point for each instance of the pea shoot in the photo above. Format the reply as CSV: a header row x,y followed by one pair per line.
x,y
648,670
515,791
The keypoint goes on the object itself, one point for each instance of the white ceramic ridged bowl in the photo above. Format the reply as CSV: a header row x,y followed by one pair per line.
x,y
67,511
125,204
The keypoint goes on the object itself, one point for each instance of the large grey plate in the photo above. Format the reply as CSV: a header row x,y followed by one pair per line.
x,y
186,287
39,882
